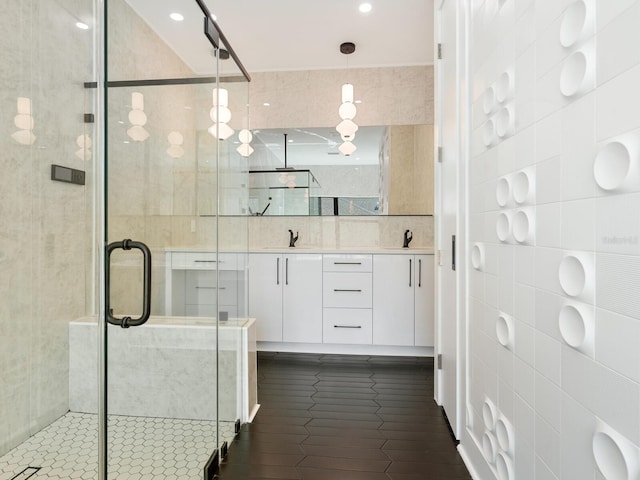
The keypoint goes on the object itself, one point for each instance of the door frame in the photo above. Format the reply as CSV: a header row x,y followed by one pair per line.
x,y
457,150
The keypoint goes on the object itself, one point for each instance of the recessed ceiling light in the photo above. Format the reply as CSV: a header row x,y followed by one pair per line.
x,y
82,26
177,17
290,141
365,7
266,104
358,101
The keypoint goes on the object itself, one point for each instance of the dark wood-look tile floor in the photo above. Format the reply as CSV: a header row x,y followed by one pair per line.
x,y
335,417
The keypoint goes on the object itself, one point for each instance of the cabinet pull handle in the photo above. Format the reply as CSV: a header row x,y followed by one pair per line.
x,y
286,271
211,288
346,290
347,326
278,271
205,261
419,272
410,272
347,263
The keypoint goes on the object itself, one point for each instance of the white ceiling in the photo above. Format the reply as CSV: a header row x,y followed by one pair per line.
x,y
278,35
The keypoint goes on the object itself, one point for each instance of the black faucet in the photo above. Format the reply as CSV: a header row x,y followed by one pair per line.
x,y
407,238
292,239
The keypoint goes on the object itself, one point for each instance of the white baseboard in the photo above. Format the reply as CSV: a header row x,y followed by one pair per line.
x,y
345,349
467,462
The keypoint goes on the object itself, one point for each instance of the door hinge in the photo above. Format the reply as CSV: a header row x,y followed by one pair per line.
x,y
439,361
439,51
439,257
439,154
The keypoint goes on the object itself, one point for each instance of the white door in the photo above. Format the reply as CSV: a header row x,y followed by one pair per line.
x,y
265,295
447,214
302,296
424,306
393,302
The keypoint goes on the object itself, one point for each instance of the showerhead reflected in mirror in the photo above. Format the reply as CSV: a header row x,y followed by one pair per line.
x,y
300,171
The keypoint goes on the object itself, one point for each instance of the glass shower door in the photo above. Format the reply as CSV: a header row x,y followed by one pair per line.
x,y
169,288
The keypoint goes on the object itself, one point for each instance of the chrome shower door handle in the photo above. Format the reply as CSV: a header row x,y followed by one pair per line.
x,y
127,322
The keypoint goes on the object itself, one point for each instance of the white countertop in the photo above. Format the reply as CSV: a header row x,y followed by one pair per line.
x,y
326,250
349,250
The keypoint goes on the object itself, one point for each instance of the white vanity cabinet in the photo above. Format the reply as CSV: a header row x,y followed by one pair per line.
x,y
393,299
347,299
197,280
285,296
403,300
265,295
424,301
343,302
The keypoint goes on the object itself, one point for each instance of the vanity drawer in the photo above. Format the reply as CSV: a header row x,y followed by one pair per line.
x,y
203,261
347,325
201,289
350,290
347,263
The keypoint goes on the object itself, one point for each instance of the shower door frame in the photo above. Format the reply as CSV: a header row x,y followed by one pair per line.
x,y
216,37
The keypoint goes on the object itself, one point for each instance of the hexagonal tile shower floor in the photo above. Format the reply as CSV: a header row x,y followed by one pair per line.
x,y
140,448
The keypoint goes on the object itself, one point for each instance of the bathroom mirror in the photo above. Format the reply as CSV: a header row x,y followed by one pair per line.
x,y
300,171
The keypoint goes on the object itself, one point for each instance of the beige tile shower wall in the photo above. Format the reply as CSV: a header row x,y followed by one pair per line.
x,y
151,195
340,232
43,234
390,96
135,51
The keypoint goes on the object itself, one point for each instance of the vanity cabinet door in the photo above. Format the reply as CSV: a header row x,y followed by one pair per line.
x,y
393,299
302,298
424,301
265,295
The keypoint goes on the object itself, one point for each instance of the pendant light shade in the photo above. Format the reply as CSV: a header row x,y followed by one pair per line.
x,y
347,93
137,101
245,136
221,131
347,129
347,111
220,114
220,97
245,149
347,148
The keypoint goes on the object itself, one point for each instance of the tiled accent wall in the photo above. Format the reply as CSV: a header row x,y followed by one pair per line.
x,y
310,98
554,379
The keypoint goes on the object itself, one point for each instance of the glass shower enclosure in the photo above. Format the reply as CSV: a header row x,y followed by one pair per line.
x,y
125,347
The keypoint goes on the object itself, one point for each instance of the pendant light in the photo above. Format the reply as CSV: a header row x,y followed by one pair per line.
x,y
220,114
245,136
347,128
24,122
137,118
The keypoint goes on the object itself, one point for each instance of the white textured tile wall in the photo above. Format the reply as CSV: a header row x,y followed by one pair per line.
x,y
572,285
